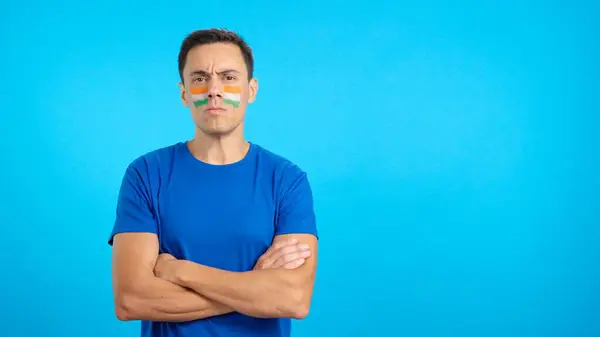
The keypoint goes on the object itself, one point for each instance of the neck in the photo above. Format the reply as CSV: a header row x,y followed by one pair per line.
x,y
218,150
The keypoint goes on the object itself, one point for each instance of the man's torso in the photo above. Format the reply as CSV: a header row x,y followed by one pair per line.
x,y
219,216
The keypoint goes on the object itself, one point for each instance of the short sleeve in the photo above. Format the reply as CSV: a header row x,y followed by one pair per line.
x,y
134,212
296,214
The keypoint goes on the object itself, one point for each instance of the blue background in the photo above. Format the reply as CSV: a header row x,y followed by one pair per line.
x,y
452,147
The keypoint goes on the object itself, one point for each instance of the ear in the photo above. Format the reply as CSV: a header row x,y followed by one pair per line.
x,y
252,90
183,93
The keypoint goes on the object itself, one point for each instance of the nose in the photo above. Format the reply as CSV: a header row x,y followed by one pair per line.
x,y
214,89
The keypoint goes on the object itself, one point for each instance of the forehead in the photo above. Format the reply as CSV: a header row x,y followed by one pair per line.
x,y
214,57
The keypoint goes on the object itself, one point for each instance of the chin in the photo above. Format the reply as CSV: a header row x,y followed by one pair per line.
x,y
216,131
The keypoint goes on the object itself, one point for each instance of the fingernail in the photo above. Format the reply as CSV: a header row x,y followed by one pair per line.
x,y
304,246
306,253
294,240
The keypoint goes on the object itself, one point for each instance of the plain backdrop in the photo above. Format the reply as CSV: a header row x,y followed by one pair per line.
x,y
452,147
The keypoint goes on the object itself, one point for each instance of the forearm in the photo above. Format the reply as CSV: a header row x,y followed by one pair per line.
x,y
265,293
160,300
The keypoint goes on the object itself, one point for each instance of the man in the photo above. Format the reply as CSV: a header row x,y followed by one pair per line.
x,y
215,236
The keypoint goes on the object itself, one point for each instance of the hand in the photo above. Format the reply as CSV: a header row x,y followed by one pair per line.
x,y
165,267
289,254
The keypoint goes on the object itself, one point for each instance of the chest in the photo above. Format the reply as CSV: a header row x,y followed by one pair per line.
x,y
217,222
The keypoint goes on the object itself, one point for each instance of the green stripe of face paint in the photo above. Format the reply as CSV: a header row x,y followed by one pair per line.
x,y
201,102
232,102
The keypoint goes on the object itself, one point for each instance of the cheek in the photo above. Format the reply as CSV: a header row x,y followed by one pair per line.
x,y
233,95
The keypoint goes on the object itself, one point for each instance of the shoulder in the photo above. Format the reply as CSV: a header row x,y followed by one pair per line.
x,y
153,162
283,172
280,164
156,157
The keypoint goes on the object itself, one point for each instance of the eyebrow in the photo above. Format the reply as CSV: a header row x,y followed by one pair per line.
x,y
205,73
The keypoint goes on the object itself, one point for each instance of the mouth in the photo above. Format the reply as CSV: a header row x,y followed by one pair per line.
x,y
215,110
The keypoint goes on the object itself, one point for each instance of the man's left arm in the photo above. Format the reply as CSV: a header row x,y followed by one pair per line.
x,y
265,293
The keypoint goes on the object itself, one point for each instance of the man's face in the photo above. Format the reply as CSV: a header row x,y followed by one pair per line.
x,y
216,88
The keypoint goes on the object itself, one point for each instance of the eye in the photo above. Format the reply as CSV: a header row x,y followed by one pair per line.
x,y
229,78
197,79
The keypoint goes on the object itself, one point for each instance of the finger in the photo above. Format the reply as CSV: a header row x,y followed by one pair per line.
x,y
276,246
294,264
260,263
166,256
287,258
269,261
281,244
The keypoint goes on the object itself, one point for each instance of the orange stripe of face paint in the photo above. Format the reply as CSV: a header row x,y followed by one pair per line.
x,y
198,90
232,90
203,90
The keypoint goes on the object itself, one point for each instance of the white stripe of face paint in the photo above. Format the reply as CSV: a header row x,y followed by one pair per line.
x,y
233,97
199,97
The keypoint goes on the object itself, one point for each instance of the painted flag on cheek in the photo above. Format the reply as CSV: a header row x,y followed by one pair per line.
x,y
199,96
231,95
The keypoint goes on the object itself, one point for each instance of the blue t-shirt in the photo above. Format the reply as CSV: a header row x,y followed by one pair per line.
x,y
222,216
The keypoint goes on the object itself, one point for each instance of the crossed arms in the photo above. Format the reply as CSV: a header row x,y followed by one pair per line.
x,y
149,286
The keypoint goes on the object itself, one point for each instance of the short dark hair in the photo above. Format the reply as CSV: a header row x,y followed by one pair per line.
x,y
215,35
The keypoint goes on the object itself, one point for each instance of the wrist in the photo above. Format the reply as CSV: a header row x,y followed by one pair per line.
x,y
181,272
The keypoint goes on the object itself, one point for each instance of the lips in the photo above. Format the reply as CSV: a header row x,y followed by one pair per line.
x,y
214,107
214,110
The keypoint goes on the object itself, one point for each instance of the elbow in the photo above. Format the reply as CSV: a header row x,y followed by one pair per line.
x,y
300,304
292,297
300,312
123,314
292,304
299,297
125,308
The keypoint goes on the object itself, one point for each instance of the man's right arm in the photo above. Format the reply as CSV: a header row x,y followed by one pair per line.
x,y
140,295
